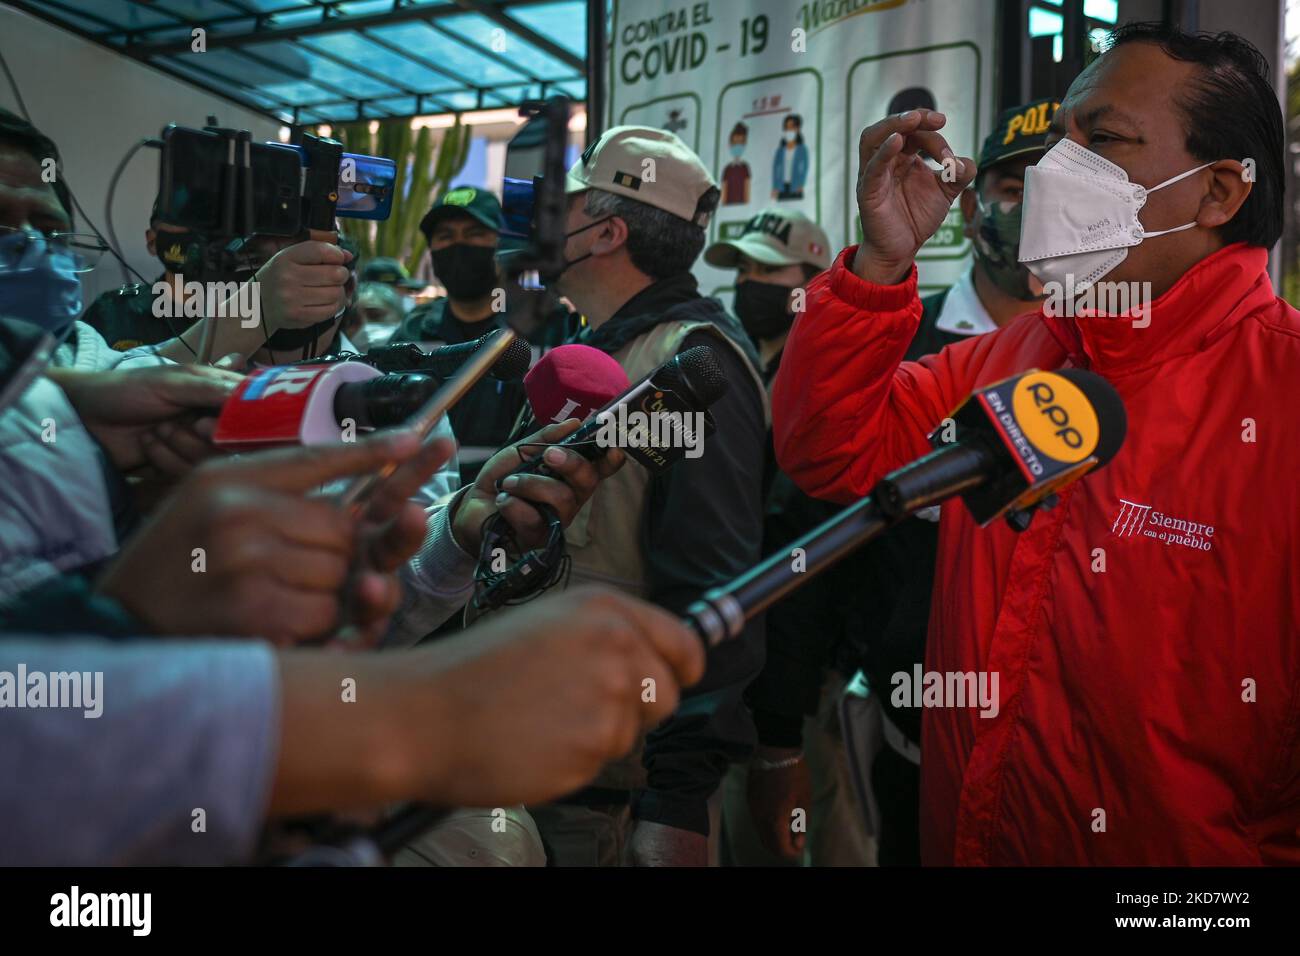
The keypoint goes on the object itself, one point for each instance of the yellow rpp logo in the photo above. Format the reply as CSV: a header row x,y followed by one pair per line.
x,y
1055,416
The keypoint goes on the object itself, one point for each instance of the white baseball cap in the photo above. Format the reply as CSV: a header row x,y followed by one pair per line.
x,y
649,165
774,237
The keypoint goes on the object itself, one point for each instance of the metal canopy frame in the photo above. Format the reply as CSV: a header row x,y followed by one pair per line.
x,y
243,24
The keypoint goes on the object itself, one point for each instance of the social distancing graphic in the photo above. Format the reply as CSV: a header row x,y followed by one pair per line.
x,y
772,96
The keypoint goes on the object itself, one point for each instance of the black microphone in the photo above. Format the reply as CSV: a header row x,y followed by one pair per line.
x,y
683,387
383,401
1006,451
444,362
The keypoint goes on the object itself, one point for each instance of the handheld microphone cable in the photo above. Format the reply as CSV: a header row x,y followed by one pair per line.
x,y
530,574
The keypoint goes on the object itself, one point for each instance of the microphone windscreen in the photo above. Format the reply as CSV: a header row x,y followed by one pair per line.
x,y
700,372
573,381
1112,419
513,363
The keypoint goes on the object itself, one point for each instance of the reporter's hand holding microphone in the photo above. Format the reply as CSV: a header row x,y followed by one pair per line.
x,y
570,482
156,420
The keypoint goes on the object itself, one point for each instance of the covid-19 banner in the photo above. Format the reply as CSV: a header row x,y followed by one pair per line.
x,y
772,95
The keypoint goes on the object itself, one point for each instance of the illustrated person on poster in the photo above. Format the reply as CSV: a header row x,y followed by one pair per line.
x,y
790,165
736,176
676,122
912,98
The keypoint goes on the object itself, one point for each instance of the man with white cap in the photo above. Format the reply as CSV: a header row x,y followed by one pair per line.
x,y
639,203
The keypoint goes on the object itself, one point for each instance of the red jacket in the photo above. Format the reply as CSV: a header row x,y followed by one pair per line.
x,y
1150,711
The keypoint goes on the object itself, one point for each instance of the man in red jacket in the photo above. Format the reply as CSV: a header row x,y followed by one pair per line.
x,y
1144,635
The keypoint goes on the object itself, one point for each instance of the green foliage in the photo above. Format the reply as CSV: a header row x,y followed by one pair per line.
x,y
1293,91
423,174
1291,284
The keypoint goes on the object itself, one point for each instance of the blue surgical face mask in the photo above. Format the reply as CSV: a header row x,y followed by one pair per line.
x,y
737,149
37,284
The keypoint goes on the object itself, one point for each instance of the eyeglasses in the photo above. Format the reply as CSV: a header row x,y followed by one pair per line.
x,y
83,251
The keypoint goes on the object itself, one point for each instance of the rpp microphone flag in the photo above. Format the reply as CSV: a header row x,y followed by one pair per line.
x,y
573,381
1012,444
1015,443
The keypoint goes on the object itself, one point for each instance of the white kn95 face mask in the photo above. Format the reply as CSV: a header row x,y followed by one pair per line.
x,y
1080,215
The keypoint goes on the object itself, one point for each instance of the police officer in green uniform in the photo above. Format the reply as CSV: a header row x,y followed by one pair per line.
x,y
390,272
463,231
126,317
386,271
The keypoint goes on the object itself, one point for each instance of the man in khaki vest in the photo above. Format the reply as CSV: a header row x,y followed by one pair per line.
x,y
638,207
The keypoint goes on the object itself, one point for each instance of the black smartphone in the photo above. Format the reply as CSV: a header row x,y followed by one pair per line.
x,y
191,174
277,189
202,184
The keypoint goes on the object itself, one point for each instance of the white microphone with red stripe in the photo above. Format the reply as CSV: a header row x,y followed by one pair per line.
x,y
317,404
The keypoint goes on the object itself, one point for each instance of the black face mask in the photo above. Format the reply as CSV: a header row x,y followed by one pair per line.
x,y
176,250
468,272
551,278
760,306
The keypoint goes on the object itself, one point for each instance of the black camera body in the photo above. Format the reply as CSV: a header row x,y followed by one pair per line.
x,y
534,209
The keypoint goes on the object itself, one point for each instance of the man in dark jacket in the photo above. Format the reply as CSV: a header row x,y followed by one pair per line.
x,y
871,611
799,765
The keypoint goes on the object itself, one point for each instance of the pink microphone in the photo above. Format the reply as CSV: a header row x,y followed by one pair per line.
x,y
573,381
